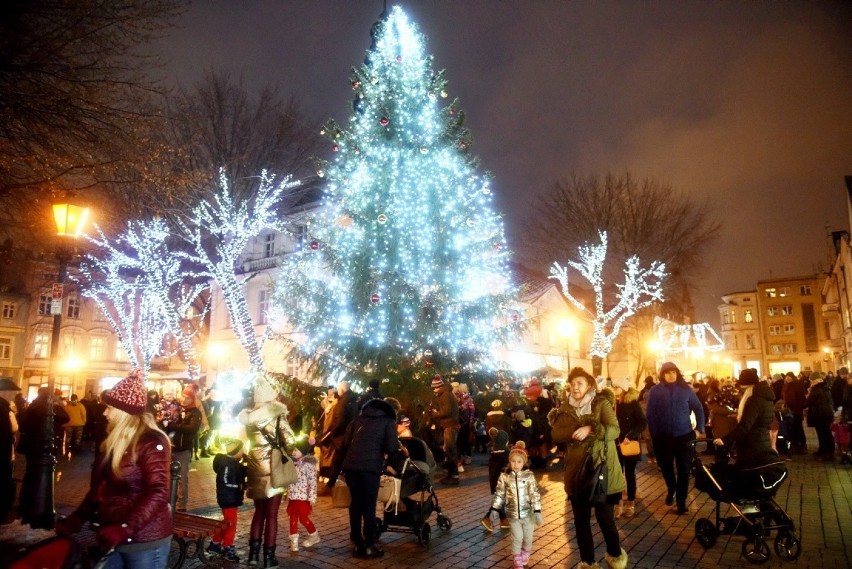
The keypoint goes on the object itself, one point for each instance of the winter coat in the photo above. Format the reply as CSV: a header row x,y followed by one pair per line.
x,y
604,426
256,422
795,396
446,411
631,419
518,492
669,407
838,391
343,412
230,481
31,425
139,497
371,437
305,487
751,435
184,430
820,408
76,414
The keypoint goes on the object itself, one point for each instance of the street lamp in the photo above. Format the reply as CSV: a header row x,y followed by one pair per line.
x,y
567,328
38,512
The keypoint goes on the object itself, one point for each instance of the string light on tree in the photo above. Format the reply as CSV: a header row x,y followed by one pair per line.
x,y
683,338
641,288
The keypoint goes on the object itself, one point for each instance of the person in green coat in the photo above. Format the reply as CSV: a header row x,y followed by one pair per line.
x,y
595,430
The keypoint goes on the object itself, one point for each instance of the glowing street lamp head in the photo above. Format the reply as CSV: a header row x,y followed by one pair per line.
x,y
566,327
70,219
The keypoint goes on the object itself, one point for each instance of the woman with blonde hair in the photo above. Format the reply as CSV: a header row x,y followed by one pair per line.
x,y
129,491
266,420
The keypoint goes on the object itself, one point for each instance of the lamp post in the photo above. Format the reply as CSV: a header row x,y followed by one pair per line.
x,y
39,512
567,328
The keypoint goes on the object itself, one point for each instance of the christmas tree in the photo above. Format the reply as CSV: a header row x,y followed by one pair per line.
x,y
406,261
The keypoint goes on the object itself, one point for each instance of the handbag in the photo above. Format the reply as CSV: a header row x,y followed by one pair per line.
x,y
590,480
340,496
630,448
282,471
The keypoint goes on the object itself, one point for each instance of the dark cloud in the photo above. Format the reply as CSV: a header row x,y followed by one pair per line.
x,y
743,104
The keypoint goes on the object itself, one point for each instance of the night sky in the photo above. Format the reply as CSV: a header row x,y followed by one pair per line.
x,y
745,104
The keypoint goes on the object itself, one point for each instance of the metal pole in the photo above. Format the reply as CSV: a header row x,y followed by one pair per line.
x,y
42,513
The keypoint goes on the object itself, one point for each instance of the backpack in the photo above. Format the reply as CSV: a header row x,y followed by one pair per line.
x,y
561,426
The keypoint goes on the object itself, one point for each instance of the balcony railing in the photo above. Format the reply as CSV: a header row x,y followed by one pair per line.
x,y
830,308
251,266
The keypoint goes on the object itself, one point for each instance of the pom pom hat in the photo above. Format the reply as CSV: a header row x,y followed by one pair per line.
x,y
519,448
622,382
264,392
437,381
129,394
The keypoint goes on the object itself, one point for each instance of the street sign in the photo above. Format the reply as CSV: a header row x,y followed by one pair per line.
x,y
57,290
56,306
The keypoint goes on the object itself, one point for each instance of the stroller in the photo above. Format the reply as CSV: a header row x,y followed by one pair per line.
x,y
411,508
60,553
751,494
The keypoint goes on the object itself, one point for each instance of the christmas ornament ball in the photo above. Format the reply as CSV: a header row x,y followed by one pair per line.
x,y
375,298
384,121
382,219
314,245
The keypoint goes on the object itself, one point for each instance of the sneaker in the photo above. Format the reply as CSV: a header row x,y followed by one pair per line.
x,y
215,548
449,481
230,554
311,540
486,523
461,468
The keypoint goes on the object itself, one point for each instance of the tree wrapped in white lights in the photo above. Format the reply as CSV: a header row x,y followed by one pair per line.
x,y
142,250
407,258
218,232
641,288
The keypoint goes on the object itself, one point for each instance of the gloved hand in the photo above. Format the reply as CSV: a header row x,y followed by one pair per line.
x,y
538,518
68,526
111,536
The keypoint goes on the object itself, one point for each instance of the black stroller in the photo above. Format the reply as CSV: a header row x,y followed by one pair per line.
x,y
751,494
416,500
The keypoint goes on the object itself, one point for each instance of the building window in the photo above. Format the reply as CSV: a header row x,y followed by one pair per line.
x,y
789,329
771,293
776,349
772,311
733,316
269,245
263,296
747,316
5,349
774,330
120,353
44,304
73,307
725,318
787,310
790,348
9,310
301,235
805,290
750,342
41,346
97,345
69,345
784,291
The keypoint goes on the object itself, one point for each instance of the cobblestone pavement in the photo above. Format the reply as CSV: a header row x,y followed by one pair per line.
x,y
818,498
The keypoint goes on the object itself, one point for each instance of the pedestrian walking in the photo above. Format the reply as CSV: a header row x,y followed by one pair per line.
x,y
631,425
671,406
517,494
183,432
75,425
129,491
230,489
795,396
498,461
595,428
267,418
302,495
821,416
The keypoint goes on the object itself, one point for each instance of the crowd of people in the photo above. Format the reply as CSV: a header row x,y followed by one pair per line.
x,y
589,420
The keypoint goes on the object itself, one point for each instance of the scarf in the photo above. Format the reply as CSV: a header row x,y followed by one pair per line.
x,y
743,399
584,405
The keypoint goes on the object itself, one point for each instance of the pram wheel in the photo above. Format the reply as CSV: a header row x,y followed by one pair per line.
x,y
787,545
706,533
445,523
756,550
424,534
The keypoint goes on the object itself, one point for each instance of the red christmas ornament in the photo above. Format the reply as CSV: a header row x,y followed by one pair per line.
x,y
516,317
335,148
429,364
384,121
374,298
356,84
463,145
314,245
399,59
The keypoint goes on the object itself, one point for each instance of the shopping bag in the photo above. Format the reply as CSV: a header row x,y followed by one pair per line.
x,y
281,468
340,496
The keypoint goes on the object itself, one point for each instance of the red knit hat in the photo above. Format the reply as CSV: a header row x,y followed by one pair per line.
x,y
129,394
437,381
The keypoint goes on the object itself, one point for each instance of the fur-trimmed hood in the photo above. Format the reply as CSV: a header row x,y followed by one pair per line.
x,y
631,395
264,413
378,407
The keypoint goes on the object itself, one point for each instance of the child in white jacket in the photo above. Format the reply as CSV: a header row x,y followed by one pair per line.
x,y
517,491
302,495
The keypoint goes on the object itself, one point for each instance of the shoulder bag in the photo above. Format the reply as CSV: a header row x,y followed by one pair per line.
x,y
281,469
630,448
590,480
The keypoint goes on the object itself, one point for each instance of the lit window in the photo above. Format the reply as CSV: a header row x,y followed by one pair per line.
x,y
787,310
9,309
263,297
726,319
733,316
776,349
269,245
772,311
5,349
790,348
96,348
805,290
774,330
301,235
747,316
44,304
784,291
41,346
73,307
750,343
789,329
770,293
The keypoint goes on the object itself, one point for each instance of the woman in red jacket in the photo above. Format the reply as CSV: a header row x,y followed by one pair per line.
x,y
129,492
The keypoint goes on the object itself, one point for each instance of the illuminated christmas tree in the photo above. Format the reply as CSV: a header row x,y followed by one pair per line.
x,y
641,287
407,259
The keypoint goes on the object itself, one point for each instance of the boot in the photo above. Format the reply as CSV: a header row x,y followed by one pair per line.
x,y
230,554
617,511
254,552
269,559
619,562
312,539
518,560
294,542
584,565
629,509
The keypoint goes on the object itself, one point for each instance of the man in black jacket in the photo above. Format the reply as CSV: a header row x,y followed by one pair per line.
x,y
371,437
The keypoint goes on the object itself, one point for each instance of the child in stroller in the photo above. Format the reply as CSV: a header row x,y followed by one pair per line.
x,y
409,510
750,493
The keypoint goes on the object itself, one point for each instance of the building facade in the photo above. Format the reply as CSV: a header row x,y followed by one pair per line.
x,y
739,315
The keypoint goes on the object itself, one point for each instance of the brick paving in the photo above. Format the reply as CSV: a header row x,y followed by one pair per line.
x,y
818,497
